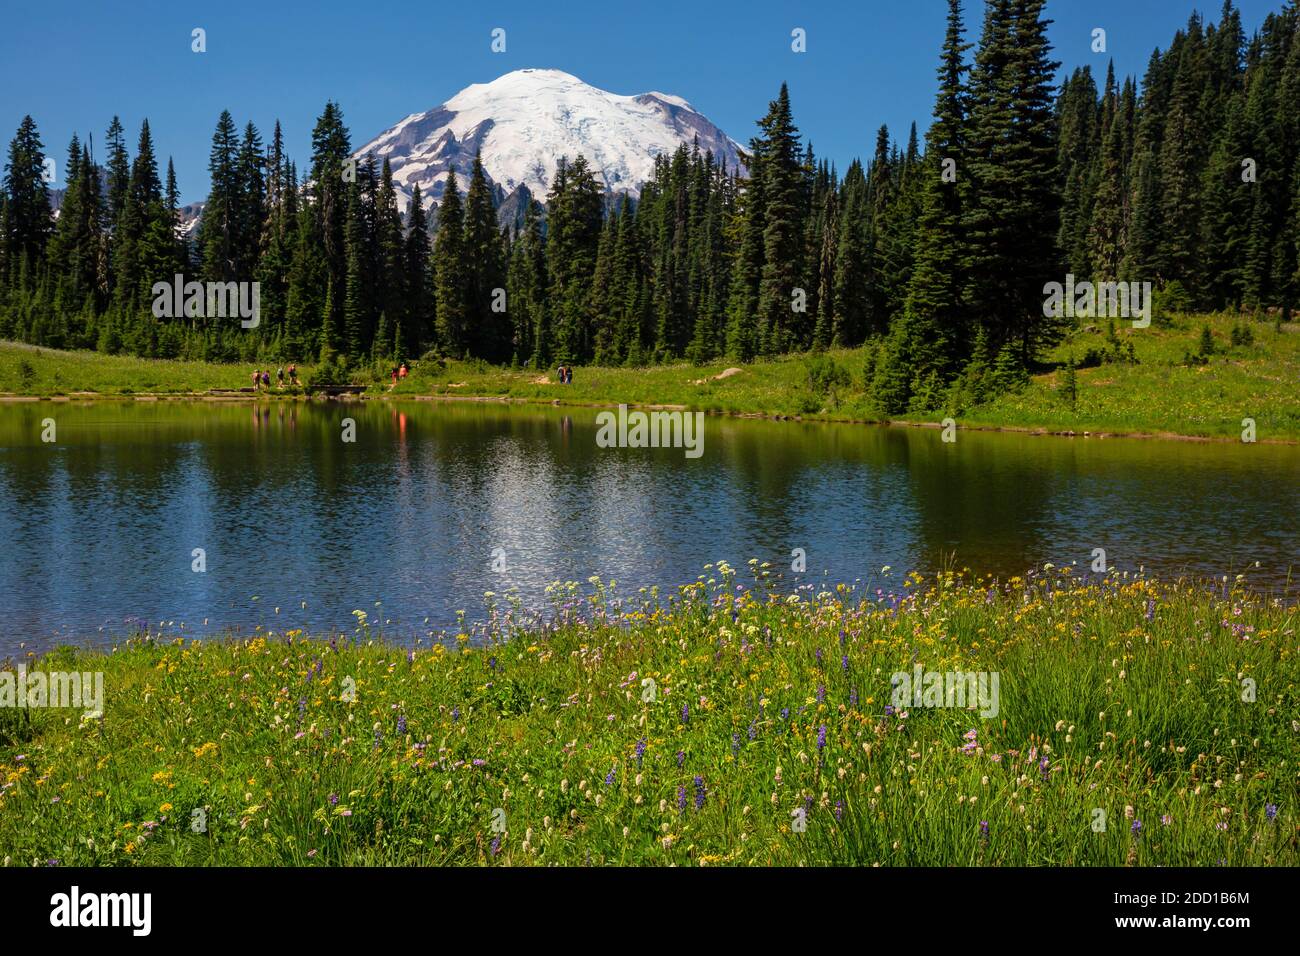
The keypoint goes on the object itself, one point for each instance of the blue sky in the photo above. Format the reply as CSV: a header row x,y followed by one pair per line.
x,y
73,64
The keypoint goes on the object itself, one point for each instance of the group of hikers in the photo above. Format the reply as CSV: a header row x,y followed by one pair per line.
x,y
262,378
398,373
566,375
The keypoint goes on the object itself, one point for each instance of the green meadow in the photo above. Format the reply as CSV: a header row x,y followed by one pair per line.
x,y
726,723
1153,381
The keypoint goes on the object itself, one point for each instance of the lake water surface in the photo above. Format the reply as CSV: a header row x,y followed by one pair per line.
x,y
100,526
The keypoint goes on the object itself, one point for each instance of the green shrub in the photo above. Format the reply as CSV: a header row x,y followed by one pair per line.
x,y
1069,387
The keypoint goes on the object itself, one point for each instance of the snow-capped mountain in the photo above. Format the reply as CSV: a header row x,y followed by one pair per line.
x,y
526,121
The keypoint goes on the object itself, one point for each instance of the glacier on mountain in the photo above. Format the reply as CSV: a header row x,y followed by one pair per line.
x,y
524,122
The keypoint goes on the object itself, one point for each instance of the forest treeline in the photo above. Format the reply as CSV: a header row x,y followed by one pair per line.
x,y
935,257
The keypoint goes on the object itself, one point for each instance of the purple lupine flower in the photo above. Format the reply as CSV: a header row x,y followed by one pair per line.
x,y
984,829
821,693
1166,819
640,752
699,793
492,663
753,730
378,739
686,712
681,798
889,710
841,637
844,662
839,810
496,845
455,713
735,744
853,697
1151,609
821,737
819,655
334,799
681,758
1270,811
410,657
1042,768
807,804
609,777
785,713
1136,828
401,725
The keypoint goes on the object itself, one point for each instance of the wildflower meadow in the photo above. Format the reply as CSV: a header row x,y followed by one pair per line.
x,y
731,722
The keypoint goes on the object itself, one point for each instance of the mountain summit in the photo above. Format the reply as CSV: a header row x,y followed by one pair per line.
x,y
526,121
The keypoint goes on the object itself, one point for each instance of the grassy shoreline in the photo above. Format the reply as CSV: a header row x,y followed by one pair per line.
x,y
1169,708
1156,397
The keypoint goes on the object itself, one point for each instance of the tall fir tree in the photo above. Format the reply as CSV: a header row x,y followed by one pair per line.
x,y
449,272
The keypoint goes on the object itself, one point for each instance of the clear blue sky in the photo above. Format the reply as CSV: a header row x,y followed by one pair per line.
x,y
73,64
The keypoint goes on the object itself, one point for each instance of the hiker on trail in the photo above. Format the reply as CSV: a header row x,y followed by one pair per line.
x,y
559,373
568,375
394,376
266,380
401,372
279,377
257,379
293,374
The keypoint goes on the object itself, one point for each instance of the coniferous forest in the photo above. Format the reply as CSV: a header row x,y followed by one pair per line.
x,y
935,255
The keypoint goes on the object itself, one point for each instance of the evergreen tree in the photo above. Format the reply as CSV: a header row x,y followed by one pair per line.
x,y
250,216
488,333
29,222
747,267
119,170
782,225
1107,228
1012,219
417,316
852,261
935,293
329,194
390,258
575,210
356,301
450,279
219,229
